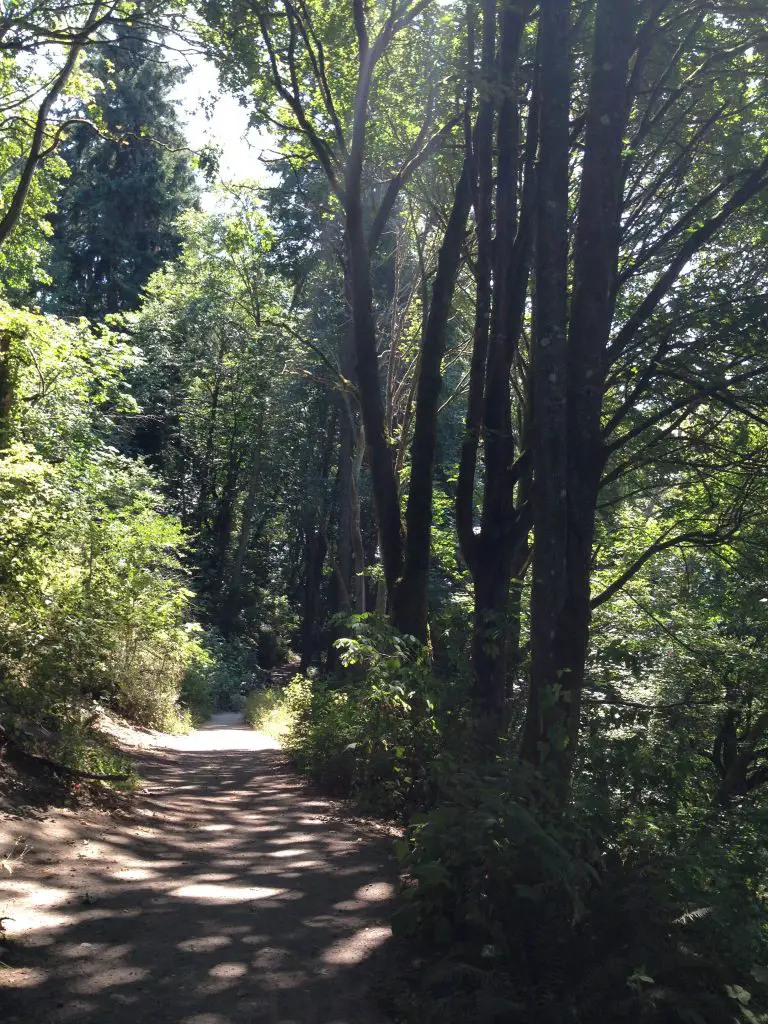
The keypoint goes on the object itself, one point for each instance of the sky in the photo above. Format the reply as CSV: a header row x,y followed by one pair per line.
x,y
227,128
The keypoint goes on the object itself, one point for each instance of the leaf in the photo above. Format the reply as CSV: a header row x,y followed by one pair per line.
x,y
402,849
739,994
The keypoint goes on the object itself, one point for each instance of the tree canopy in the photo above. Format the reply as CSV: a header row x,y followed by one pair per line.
x,y
462,410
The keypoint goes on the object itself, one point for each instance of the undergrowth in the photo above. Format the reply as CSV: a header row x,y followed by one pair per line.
x,y
267,710
652,912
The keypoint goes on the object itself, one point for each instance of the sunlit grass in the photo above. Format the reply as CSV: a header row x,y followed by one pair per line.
x,y
265,710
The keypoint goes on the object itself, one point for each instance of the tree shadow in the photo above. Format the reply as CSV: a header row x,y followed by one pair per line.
x,y
232,895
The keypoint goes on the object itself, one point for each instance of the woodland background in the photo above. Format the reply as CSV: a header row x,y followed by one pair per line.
x,y
466,407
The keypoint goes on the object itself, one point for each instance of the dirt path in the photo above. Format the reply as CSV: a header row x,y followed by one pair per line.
x,y
229,896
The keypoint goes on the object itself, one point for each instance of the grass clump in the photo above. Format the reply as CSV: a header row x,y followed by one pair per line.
x,y
268,711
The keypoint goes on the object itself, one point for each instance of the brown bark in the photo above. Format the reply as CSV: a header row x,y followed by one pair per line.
x,y
497,551
380,454
316,544
569,384
410,596
501,547
736,781
314,558
358,548
482,201
344,491
249,506
6,389
548,366
348,156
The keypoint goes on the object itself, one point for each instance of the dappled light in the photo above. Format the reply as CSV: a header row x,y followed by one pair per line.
x,y
231,895
422,466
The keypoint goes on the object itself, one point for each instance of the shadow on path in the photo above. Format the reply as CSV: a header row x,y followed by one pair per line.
x,y
230,896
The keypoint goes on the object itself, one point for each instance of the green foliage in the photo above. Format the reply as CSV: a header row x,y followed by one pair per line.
x,y
65,733
372,730
221,419
268,711
210,462
128,184
93,601
221,680
531,916
275,626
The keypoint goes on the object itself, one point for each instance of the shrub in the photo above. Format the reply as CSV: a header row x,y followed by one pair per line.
x,y
372,730
530,917
268,711
276,628
220,680
93,602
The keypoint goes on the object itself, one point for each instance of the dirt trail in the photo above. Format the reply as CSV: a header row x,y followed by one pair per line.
x,y
230,895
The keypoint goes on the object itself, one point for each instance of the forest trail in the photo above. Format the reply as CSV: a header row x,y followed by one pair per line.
x,y
228,895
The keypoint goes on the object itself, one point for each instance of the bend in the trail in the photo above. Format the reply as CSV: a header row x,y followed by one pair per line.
x,y
230,895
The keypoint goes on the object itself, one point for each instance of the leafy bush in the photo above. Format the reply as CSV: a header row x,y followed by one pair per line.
x,y
531,917
268,711
277,627
195,695
66,735
372,730
222,679
93,601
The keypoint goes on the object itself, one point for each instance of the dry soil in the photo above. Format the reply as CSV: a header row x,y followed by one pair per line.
x,y
227,894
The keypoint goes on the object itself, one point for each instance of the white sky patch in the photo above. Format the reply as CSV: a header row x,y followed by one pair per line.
x,y
211,116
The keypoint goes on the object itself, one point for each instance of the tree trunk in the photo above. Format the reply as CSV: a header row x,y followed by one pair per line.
x,y
410,596
316,550
497,552
316,545
568,475
482,201
358,549
246,525
380,455
548,363
6,390
344,491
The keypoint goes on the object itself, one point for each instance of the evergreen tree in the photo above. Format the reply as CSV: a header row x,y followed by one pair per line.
x,y
116,219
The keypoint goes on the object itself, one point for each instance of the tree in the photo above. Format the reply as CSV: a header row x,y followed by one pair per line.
x,y
30,103
650,67
116,216
218,416
329,117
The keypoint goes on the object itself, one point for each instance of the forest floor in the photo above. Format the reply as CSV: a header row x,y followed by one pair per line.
x,y
224,892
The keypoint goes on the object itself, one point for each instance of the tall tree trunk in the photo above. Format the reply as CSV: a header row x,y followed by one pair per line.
x,y
221,535
246,524
548,366
348,431
482,201
496,553
358,549
344,496
410,596
380,454
568,395
316,547
6,390
316,550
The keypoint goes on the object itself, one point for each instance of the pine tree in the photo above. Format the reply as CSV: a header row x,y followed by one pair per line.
x,y
115,223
